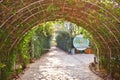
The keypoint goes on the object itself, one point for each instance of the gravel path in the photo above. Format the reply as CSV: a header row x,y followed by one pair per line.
x,y
58,65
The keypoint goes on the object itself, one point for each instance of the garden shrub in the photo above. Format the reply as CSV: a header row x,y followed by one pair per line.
x,y
63,41
43,37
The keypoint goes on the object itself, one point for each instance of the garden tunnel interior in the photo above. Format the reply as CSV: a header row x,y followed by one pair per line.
x,y
18,17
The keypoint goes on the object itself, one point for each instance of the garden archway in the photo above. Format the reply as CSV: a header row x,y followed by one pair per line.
x,y
101,19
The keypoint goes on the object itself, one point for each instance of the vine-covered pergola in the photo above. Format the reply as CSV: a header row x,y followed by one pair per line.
x,y
99,17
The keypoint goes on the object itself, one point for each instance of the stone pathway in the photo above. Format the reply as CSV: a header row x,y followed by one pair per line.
x,y
58,65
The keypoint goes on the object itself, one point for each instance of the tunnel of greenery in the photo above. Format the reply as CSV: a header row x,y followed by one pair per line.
x,y
99,17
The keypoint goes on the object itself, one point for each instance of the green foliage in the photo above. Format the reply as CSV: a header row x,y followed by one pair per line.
x,y
37,41
2,65
63,40
85,33
14,12
24,48
70,1
1,32
52,8
41,39
8,69
115,66
104,60
7,72
19,70
117,11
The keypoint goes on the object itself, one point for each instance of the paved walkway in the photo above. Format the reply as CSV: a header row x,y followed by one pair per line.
x,y
57,65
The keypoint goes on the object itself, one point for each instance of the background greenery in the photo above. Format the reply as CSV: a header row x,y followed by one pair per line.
x,y
63,40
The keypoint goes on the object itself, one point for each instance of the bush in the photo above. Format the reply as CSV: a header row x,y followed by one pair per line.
x,y
63,41
43,37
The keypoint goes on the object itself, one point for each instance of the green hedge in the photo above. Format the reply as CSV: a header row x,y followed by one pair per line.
x,y
43,37
63,41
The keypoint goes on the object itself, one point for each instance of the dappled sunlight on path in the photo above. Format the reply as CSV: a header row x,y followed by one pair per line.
x,y
58,65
